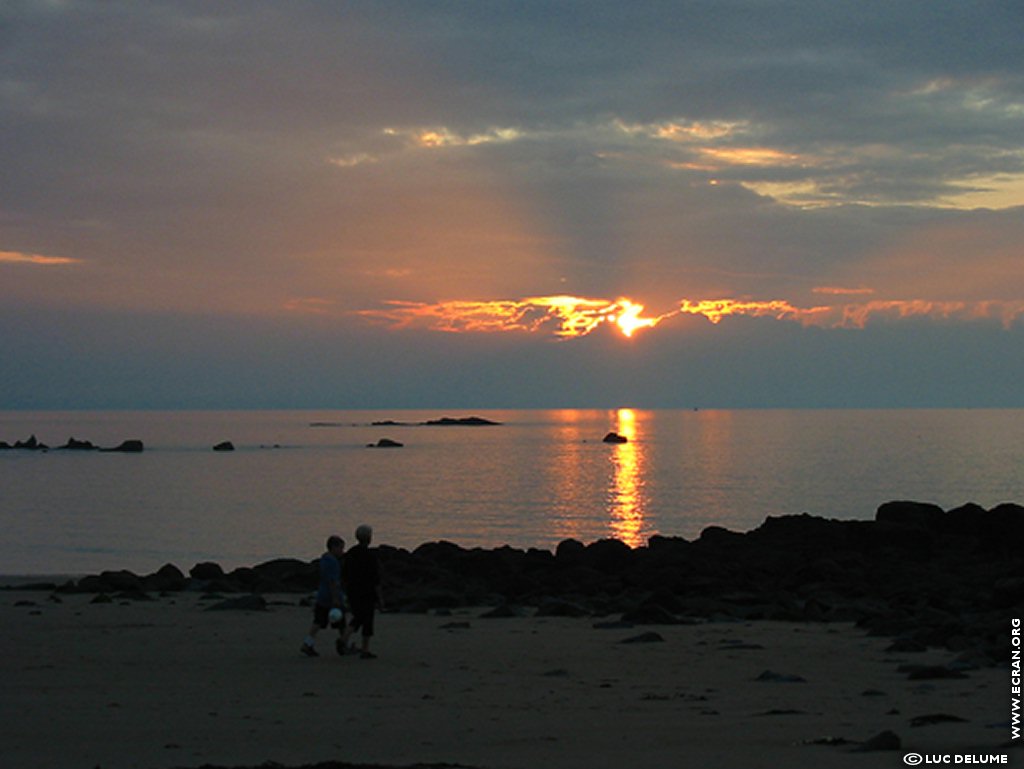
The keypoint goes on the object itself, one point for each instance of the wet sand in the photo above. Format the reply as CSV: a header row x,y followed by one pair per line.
x,y
168,684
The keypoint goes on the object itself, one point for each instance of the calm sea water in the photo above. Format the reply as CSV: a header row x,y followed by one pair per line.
x,y
540,477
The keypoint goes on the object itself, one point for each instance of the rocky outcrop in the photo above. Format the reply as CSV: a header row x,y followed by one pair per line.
x,y
460,422
128,447
73,444
77,445
927,577
442,422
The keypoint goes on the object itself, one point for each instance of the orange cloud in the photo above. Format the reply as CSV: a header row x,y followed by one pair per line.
x,y
562,316
716,309
17,257
839,291
310,305
567,317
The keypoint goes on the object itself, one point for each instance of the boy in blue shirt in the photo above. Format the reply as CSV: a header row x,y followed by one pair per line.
x,y
328,598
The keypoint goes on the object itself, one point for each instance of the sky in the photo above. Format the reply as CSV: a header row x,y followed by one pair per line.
x,y
434,204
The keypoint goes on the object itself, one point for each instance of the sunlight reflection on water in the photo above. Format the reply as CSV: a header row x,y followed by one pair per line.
x,y
541,477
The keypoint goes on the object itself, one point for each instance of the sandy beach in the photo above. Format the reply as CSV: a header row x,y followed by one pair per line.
x,y
167,683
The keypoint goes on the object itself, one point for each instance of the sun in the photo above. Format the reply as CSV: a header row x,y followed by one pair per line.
x,y
628,318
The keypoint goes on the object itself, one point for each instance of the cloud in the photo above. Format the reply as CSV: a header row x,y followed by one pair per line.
x,y
746,160
564,317
571,317
438,137
17,257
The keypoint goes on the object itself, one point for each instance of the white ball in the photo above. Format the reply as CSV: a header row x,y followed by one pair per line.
x,y
334,616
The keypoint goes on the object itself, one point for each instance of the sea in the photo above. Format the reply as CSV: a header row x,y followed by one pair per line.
x,y
533,480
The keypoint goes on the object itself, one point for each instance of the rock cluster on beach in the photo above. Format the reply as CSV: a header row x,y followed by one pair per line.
x,y
132,446
925,576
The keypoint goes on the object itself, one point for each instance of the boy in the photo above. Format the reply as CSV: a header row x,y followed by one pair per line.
x,y
328,598
362,580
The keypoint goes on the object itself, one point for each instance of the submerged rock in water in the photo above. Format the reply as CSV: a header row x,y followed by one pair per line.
x,y
460,422
128,447
31,444
77,445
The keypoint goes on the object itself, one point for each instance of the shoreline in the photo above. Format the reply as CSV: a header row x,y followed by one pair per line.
x,y
930,578
804,641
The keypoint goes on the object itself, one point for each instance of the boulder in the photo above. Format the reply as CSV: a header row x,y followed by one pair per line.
x,y
553,607
614,437
887,740
168,578
133,446
242,603
918,514
121,580
224,446
609,555
206,571
460,422
385,443
31,444
644,638
283,575
76,445
569,551
650,615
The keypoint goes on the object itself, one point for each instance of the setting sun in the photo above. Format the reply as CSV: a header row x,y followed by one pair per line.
x,y
629,320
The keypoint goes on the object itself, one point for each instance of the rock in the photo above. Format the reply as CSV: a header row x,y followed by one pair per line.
x,y
905,645
608,555
31,444
385,443
918,514
886,740
829,741
500,612
936,718
553,607
168,578
569,551
614,437
76,445
650,615
931,673
133,595
643,638
121,580
460,422
729,646
224,446
771,676
242,603
132,446
206,571
280,575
